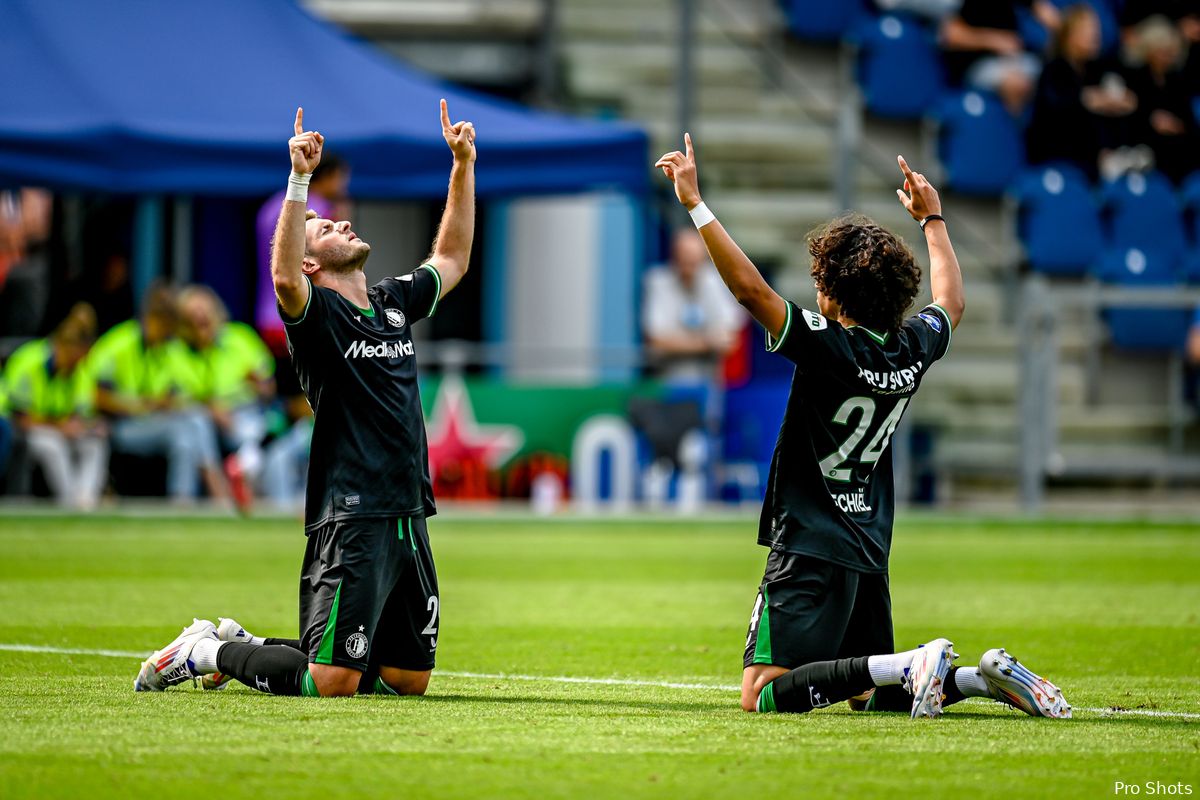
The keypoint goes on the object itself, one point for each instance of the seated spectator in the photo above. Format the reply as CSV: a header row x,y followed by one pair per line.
x,y
138,366
984,49
229,371
1166,121
1184,14
1080,111
52,397
689,319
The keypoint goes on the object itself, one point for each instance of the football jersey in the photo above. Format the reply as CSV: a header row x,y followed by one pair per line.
x,y
358,368
830,489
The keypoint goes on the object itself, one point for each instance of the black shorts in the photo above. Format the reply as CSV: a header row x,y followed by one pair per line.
x,y
812,610
369,595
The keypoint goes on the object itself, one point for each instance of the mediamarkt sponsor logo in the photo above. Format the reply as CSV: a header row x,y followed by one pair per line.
x,y
364,349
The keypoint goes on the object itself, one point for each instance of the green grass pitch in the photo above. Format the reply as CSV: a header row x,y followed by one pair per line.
x,y
1109,611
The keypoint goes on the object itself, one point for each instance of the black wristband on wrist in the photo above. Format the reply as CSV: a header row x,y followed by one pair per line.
x,y
930,218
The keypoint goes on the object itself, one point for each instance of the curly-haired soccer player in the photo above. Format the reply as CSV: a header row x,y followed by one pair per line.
x,y
821,628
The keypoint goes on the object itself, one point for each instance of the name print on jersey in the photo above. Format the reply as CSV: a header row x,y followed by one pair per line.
x,y
364,349
894,382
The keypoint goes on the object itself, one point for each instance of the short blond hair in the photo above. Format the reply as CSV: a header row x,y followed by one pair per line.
x,y
310,214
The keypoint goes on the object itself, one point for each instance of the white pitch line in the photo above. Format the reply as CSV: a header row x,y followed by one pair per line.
x,y
495,676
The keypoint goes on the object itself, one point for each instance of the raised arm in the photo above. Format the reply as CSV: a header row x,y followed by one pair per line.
x,y
737,271
945,277
452,248
287,248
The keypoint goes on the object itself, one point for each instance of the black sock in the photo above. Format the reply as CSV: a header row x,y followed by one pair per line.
x,y
292,643
890,698
274,669
950,689
816,685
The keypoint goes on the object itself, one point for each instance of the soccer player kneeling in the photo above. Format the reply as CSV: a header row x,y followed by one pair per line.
x,y
821,629
368,589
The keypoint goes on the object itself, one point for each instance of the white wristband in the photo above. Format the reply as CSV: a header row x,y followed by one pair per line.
x,y
701,216
298,187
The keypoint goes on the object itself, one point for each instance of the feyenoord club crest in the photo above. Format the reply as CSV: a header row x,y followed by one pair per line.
x,y
356,645
395,317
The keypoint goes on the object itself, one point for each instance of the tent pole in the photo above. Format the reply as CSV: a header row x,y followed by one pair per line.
x,y
147,243
181,240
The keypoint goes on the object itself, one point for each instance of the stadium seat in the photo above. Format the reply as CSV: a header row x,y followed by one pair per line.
x,y
1191,206
820,20
979,143
1058,222
1190,268
899,66
1142,328
1141,211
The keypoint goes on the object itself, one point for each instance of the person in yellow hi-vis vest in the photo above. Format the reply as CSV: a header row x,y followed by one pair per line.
x,y
230,372
52,396
139,367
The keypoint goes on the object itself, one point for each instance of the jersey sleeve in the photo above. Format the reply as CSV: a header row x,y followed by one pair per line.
x,y
310,318
931,326
417,292
809,340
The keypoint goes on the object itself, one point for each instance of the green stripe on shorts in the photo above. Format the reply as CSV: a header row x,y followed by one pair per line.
x,y
325,650
762,644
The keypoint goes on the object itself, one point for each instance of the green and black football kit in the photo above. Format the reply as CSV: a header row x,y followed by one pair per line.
x,y
828,512
368,588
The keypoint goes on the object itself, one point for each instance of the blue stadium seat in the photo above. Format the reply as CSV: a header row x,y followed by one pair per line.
x,y
1141,211
899,66
1058,222
821,20
1191,206
979,143
1142,328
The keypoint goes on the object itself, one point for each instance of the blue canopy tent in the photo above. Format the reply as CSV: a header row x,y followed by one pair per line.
x,y
144,96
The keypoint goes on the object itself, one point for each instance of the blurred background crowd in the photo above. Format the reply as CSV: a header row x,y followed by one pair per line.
x,y
593,354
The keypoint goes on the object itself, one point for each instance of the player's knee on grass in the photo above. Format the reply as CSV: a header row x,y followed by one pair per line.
x,y
754,678
334,681
405,681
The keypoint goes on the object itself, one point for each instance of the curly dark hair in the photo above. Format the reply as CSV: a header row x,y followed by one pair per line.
x,y
866,269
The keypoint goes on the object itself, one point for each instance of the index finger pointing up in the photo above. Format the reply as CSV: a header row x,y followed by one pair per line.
x,y
299,121
445,114
908,173
687,145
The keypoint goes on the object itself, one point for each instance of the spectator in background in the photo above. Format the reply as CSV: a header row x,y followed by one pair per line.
x,y
1080,112
52,396
230,372
25,217
6,437
984,49
327,195
1166,121
138,366
690,322
1184,14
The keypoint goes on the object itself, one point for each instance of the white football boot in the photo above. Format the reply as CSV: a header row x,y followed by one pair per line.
x,y
926,677
227,631
173,665
1012,683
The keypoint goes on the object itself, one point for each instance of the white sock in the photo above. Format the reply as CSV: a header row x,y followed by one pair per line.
x,y
204,655
889,670
970,682
258,640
